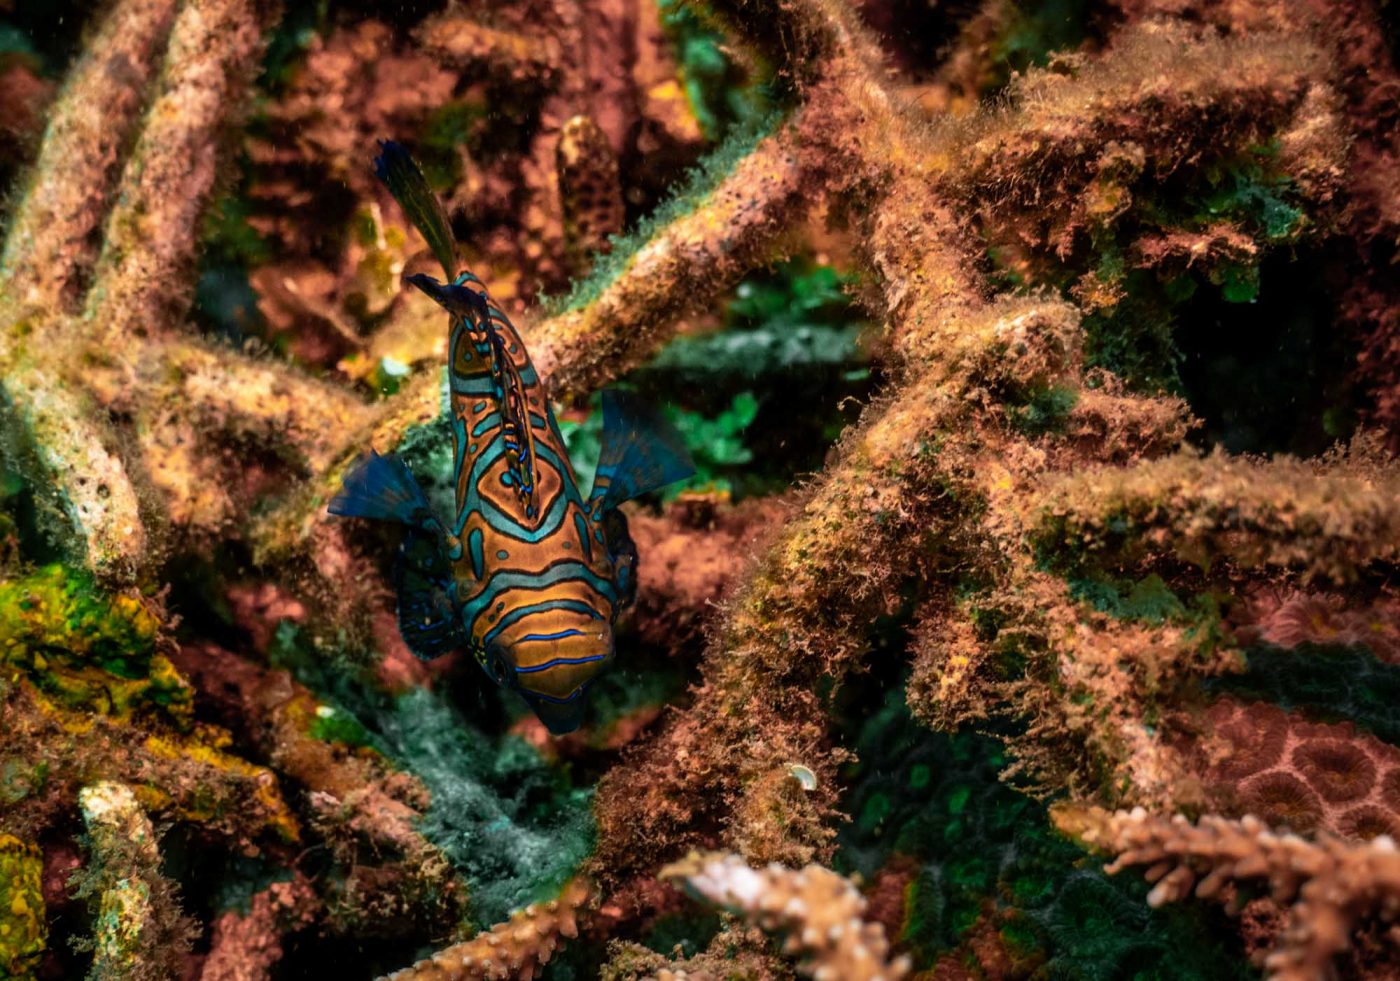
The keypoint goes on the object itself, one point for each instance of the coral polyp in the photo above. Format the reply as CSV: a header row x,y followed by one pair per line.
x,y
1037,363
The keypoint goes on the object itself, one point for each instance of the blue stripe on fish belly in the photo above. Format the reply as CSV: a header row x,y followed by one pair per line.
x,y
511,616
561,660
564,570
571,632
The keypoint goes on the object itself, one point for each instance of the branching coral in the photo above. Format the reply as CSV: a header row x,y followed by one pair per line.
x,y
1016,508
514,949
817,910
1333,886
1326,521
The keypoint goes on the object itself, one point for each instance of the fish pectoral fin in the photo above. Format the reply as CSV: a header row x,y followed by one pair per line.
x,y
428,617
382,488
641,450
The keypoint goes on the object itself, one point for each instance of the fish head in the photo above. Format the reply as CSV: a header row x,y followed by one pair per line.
x,y
551,664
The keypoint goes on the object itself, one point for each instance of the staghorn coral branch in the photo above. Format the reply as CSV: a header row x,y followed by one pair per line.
x,y
1329,521
818,911
929,466
149,243
515,949
1156,86
1334,886
49,246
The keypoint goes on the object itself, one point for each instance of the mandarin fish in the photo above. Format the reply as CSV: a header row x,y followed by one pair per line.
x,y
528,575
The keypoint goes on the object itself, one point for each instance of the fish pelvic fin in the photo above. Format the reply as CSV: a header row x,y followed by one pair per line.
x,y
405,181
641,451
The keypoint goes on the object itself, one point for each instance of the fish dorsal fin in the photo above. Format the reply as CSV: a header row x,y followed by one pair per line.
x,y
492,330
641,451
410,189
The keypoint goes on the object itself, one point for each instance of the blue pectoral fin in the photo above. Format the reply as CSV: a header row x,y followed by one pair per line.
x,y
381,488
428,616
406,183
641,450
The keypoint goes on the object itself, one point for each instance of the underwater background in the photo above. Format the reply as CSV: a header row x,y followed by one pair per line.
x,y
1032,612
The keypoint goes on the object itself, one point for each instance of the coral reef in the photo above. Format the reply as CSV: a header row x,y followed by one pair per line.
x,y
1038,365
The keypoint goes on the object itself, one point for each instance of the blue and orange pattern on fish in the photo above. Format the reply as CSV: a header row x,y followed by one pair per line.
x,y
529,575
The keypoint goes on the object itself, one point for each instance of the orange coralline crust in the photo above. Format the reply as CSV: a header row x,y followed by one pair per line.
x,y
695,551
244,946
819,913
516,949
1333,887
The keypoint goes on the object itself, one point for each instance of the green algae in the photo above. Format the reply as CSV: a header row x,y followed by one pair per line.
x,y
719,91
88,649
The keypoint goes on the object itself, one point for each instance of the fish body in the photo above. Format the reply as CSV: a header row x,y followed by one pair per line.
x,y
529,575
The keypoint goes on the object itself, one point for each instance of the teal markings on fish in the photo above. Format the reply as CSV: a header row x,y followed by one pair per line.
x,y
528,575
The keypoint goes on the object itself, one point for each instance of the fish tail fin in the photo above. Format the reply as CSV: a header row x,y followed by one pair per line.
x,y
641,450
405,181
382,488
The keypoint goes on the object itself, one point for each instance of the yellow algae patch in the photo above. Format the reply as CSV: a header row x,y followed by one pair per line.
x,y
23,932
